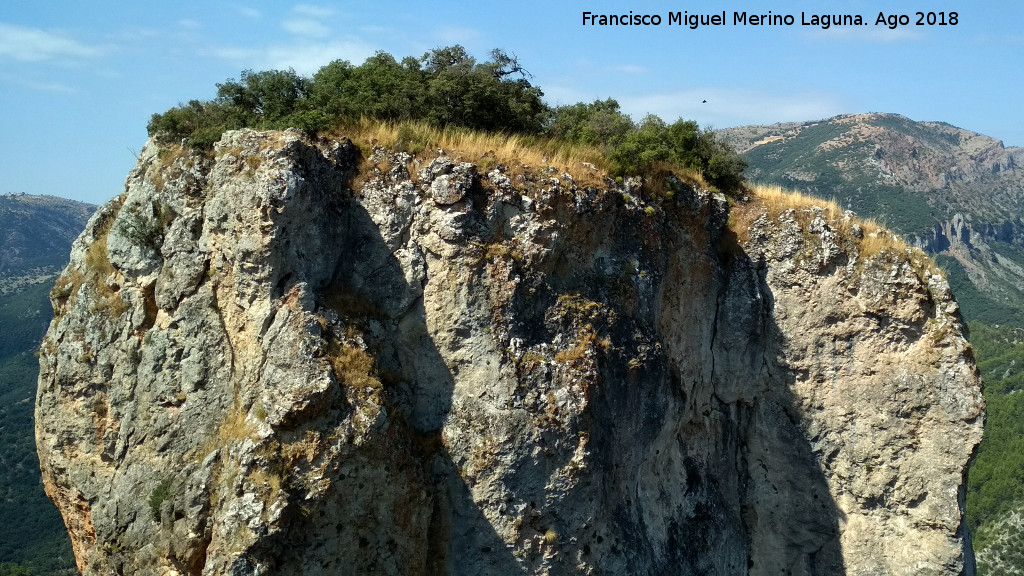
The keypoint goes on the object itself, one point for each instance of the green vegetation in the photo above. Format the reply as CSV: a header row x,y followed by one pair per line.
x,y
996,481
157,497
33,535
147,230
905,212
447,88
831,159
36,239
1006,556
640,148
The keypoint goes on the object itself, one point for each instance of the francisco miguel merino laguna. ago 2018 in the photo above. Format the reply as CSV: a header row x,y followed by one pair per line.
x,y
824,21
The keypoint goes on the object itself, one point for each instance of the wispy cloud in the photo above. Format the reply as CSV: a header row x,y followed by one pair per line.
x,y
248,12
305,57
733,107
873,35
134,34
307,21
32,84
35,45
306,27
628,69
563,92
308,58
308,51
313,11
449,35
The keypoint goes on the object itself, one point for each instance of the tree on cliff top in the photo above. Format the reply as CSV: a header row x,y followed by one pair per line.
x,y
446,87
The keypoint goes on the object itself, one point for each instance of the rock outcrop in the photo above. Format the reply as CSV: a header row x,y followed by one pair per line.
x,y
268,361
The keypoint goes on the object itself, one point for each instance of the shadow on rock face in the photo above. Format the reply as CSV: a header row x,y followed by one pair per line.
x,y
686,452
792,522
397,503
696,459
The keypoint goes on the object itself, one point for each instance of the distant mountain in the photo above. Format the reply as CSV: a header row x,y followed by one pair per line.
x,y
35,241
957,194
35,236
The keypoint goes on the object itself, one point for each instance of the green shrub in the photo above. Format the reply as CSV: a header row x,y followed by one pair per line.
x,y
146,230
411,140
157,497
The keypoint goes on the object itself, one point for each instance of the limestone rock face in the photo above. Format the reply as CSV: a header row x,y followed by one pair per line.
x,y
268,361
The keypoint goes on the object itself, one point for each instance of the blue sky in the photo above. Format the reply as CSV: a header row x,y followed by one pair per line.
x,y
79,80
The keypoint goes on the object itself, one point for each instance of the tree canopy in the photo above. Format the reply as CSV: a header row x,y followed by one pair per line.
x,y
446,87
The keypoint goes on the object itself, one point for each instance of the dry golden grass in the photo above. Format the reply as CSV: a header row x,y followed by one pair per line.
x,y
97,260
417,137
658,183
777,200
873,240
235,427
575,304
353,367
579,349
307,448
531,359
586,340
265,483
97,268
167,159
499,250
232,429
517,152
586,313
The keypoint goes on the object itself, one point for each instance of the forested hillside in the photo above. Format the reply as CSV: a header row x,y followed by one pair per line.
x,y
35,238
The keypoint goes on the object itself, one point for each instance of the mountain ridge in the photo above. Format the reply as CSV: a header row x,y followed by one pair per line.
x,y
923,157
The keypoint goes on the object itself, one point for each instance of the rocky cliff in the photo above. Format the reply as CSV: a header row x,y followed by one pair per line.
x,y
281,359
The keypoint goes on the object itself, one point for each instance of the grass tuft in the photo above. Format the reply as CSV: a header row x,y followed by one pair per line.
x,y
872,240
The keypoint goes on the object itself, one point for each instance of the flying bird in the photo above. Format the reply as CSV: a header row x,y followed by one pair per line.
x,y
704,102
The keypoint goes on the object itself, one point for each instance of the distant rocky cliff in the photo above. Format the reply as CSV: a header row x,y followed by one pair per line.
x,y
271,360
